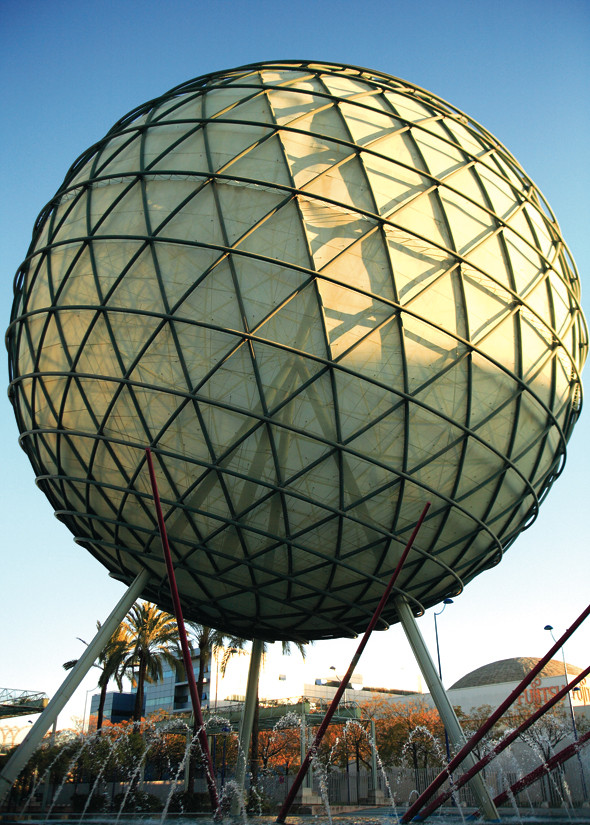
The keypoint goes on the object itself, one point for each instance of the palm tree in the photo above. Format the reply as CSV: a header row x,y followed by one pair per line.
x,y
209,641
154,640
111,664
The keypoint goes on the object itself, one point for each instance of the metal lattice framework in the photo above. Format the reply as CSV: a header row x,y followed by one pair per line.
x,y
322,296
21,702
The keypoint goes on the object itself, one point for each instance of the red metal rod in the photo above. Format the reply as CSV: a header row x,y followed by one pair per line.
x,y
186,656
343,683
491,721
546,767
508,740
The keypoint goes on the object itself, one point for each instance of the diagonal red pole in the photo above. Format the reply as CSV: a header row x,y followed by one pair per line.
x,y
491,721
186,656
508,740
546,767
343,683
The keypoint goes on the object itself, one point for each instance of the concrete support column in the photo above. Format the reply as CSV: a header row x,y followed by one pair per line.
x,y
444,707
248,716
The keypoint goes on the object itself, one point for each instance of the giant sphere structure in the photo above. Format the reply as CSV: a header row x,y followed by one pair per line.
x,y
322,296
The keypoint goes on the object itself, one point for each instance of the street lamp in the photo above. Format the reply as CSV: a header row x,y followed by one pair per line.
x,y
85,705
445,603
549,627
569,696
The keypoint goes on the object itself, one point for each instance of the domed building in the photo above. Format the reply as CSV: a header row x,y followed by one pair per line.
x,y
511,670
490,684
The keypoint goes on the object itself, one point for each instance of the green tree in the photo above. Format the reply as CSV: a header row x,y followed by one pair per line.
x,y
254,743
111,663
280,748
211,641
408,733
50,763
544,738
154,640
471,723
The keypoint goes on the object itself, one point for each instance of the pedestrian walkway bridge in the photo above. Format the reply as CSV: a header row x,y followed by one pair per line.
x,y
21,702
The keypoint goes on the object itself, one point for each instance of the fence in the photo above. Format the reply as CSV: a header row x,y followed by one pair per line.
x,y
400,786
395,787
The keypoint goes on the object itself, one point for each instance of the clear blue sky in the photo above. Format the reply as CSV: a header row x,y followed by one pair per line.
x,y
69,70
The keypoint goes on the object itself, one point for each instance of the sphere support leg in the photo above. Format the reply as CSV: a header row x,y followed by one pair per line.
x,y
248,717
443,705
24,752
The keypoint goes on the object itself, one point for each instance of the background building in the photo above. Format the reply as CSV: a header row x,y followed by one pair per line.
x,y
285,680
118,707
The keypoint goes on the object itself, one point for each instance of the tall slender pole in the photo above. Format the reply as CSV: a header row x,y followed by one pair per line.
x,y
572,714
186,656
91,652
441,700
501,746
342,686
445,603
491,721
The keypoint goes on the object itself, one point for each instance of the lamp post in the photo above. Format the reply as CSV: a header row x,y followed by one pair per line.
x,y
445,603
549,627
90,690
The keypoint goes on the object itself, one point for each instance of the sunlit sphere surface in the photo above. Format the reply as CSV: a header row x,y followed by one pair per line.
x,y
323,297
